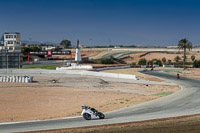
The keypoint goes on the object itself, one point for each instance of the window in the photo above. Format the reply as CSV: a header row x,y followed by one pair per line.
x,y
10,36
10,42
10,48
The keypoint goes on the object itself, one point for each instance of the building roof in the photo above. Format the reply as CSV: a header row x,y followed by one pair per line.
x,y
11,33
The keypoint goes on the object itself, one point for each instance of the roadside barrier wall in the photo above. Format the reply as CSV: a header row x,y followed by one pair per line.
x,y
100,74
75,67
74,72
110,68
22,79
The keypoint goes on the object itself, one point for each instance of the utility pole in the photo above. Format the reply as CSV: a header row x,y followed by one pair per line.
x,y
19,63
7,57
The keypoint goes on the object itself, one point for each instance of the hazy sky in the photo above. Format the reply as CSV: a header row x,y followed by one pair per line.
x,y
103,22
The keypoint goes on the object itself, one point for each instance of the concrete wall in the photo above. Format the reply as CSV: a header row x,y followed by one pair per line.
x,y
89,67
72,72
22,79
110,68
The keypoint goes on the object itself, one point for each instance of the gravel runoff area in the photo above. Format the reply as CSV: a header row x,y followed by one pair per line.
x,y
53,96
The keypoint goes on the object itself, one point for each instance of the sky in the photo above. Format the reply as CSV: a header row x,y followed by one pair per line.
x,y
103,22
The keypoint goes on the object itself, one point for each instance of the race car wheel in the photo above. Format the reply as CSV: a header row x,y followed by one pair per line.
x,y
101,115
87,116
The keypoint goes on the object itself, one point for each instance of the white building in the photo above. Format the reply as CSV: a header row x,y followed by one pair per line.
x,y
78,53
11,41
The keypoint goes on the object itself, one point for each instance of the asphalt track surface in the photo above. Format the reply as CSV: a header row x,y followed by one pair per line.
x,y
184,102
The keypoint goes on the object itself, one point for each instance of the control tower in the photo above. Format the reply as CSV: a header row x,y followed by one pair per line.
x,y
78,53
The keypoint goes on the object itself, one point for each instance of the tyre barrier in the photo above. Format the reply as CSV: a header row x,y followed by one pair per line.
x,y
20,79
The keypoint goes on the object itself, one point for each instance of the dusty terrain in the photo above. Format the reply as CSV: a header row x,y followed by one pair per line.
x,y
169,56
46,100
134,57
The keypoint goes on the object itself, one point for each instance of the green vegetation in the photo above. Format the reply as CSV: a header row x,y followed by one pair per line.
x,y
133,64
117,55
25,50
41,67
172,70
164,60
184,44
107,61
110,60
142,61
169,62
155,61
163,94
176,59
193,58
65,43
196,64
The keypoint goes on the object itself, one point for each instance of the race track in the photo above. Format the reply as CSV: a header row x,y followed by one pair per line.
x,y
184,102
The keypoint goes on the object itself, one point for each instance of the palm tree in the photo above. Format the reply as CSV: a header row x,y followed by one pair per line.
x,y
184,44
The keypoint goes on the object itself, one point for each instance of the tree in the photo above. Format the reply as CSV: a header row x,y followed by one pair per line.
x,y
196,63
184,44
155,62
142,61
65,43
57,48
193,58
169,62
133,64
164,60
176,59
25,50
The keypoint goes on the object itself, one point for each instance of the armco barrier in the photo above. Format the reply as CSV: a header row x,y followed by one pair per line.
x,y
23,79
110,68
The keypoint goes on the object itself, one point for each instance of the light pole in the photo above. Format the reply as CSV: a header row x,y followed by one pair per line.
x,y
6,57
19,63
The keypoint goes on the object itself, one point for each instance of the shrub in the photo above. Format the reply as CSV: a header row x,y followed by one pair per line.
x,y
142,61
196,64
107,61
176,59
133,64
192,57
157,61
169,62
164,60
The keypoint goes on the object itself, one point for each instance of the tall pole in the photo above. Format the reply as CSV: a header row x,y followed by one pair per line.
x,y
64,59
7,57
19,64
71,57
28,58
7,64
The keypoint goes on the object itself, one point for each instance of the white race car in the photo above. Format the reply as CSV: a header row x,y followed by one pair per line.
x,y
89,113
